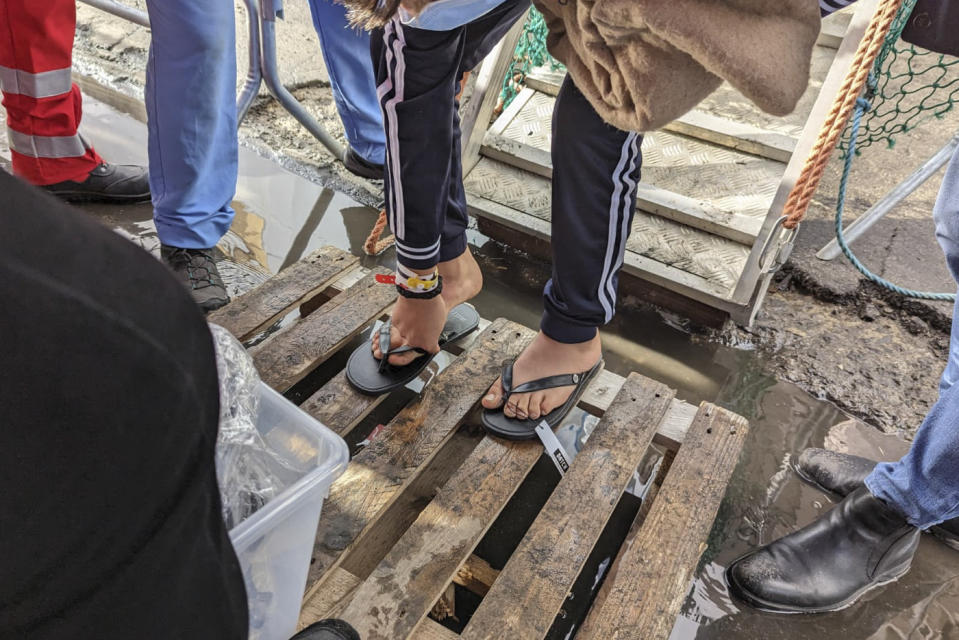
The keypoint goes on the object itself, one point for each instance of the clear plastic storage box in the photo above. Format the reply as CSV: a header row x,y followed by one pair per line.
x,y
275,544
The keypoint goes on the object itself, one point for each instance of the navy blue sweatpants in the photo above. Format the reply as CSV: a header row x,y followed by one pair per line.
x,y
595,169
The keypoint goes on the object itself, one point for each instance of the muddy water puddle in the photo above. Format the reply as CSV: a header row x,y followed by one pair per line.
x,y
282,217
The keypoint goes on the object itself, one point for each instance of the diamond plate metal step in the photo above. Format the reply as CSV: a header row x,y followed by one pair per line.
x,y
690,261
727,110
710,187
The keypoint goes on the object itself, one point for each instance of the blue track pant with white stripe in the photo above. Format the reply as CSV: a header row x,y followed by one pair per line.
x,y
595,169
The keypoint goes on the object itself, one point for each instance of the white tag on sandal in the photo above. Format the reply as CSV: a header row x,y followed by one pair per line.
x,y
554,449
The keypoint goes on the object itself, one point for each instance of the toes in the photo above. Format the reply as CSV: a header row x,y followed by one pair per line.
x,y
544,407
522,406
532,407
494,397
554,400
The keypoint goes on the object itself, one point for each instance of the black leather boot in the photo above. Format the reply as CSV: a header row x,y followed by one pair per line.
x,y
829,564
107,183
840,474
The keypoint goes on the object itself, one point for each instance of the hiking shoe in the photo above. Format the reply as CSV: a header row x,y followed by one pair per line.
x,y
196,268
360,166
106,183
329,629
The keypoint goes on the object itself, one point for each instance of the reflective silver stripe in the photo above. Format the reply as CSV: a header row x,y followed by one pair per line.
x,y
35,85
46,146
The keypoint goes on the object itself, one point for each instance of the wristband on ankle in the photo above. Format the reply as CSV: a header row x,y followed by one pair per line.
x,y
421,295
412,281
410,284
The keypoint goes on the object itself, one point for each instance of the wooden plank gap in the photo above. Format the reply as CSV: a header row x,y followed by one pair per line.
x,y
531,588
379,474
652,580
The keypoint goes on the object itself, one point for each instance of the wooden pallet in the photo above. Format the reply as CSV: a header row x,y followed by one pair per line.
x,y
400,527
713,186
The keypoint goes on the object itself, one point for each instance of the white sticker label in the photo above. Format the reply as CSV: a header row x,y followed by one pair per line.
x,y
554,449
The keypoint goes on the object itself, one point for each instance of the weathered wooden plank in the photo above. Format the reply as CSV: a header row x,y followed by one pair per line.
x,y
381,472
653,579
259,308
341,407
346,280
530,590
403,588
600,392
672,430
376,541
476,575
607,384
432,630
601,595
381,535
286,358
328,603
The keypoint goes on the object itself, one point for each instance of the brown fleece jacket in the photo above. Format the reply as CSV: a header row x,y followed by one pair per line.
x,y
643,63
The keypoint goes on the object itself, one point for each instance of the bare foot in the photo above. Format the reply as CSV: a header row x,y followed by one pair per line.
x,y
420,322
462,279
417,323
543,357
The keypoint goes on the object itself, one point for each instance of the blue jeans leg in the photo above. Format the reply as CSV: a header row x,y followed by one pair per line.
x,y
191,119
924,484
346,52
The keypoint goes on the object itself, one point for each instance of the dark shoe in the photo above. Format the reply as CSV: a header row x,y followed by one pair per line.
x,y
360,166
829,564
106,183
329,629
840,474
196,268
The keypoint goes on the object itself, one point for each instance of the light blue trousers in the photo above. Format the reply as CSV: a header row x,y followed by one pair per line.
x,y
346,52
924,485
191,118
191,112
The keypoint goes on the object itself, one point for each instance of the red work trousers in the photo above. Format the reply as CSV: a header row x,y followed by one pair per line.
x,y
43,105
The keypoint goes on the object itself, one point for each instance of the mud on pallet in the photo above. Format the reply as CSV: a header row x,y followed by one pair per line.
x,y
402,525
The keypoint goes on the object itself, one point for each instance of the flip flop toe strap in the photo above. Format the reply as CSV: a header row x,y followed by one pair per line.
x,y
550,382
386,352
540,384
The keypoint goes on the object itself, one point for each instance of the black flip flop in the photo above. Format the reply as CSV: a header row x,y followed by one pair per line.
x,y
372,376
496,422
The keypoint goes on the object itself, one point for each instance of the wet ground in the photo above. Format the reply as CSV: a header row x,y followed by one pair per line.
x,y
281,217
